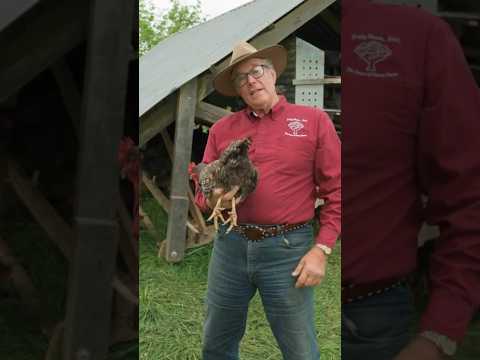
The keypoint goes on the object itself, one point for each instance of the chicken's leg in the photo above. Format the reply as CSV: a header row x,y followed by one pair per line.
x,y
217,213
233,216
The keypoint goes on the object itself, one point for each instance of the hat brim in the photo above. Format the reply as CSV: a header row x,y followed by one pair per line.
x,y
277,54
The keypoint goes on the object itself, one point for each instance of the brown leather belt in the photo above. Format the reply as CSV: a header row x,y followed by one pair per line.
x,y
260,232
355,292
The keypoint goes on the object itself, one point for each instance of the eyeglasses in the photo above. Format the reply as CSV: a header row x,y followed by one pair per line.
x,y
241,79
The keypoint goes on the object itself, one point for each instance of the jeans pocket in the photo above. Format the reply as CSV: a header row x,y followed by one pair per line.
x,y
298,239
380,319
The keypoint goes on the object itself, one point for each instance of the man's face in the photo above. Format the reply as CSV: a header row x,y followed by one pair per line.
x,y
258,88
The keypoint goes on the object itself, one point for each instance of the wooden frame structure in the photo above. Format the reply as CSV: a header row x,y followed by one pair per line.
x,y
270,22
102,224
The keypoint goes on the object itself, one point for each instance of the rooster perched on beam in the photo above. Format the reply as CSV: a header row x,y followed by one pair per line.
x,y
232,171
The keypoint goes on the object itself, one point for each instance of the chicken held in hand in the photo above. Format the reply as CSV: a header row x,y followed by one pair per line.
x,y
234,173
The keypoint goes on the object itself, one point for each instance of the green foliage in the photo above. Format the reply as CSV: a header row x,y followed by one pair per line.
x,y
154,28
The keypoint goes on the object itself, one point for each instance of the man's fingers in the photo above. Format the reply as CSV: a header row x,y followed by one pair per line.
x,y
302,280
299,268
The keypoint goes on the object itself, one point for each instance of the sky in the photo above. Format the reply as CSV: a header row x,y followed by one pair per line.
x,y
210,8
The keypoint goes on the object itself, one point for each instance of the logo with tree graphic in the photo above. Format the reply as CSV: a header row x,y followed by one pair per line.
x,y
295,125
372,52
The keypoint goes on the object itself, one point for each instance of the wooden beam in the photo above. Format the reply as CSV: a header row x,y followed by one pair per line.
x,y
23,285
89,298
69,91
11,10
176,230
47,217
128,245
162,200
147,222
210,113
157,119
326,81
156,193
194,210
28,53
44,213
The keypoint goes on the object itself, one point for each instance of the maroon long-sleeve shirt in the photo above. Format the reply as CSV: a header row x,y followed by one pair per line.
x,y
297,154
411,125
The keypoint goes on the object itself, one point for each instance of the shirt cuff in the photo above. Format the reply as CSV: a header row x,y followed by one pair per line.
x,y
447,314
327,237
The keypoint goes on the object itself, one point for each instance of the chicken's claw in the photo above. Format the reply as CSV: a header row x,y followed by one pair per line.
x,y
217,213
233,216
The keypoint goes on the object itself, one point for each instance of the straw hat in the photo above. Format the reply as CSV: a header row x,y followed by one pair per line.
x,y
243,51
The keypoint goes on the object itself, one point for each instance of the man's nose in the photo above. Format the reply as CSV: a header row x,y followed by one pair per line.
x,y
250,79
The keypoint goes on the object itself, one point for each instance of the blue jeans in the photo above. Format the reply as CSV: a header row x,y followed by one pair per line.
x,y
238,268
378,327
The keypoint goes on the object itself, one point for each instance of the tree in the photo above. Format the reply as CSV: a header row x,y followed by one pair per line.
x,y
154,29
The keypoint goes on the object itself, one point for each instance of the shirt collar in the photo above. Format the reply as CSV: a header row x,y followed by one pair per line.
x,y
275,110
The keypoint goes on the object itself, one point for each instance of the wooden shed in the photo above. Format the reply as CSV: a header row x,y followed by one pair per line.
x,y
175,88
69,79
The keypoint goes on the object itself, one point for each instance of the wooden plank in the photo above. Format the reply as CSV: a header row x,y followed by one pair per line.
x,y
127,244
156,193
147,222
168,144
89,298
23,285
52,223
196,213
210,113
69,91
176,230
127,224
11,10
163,200
44,213
28,54
194,210
157,119
325,81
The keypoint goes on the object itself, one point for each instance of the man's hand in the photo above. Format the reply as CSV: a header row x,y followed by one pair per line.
x,y
226,199
311,268
421,349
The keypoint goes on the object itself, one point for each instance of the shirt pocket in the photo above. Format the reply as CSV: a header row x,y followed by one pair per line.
x,y
293,155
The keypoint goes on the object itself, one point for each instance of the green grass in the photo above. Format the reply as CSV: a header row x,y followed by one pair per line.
x,y
172,312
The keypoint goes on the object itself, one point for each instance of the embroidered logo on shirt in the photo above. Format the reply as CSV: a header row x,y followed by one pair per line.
x,y
373,50
296,126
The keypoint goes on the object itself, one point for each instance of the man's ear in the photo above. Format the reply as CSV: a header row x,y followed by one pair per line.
x,y
274,74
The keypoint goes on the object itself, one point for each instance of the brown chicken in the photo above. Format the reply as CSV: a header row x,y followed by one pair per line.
x,y
231,171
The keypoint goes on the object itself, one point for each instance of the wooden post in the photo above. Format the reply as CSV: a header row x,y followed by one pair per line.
x,y
176,230
89,298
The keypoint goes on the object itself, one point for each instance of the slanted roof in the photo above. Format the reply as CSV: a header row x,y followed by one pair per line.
x,y
183,56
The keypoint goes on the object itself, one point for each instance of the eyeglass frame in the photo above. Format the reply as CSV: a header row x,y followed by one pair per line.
x,y
245,75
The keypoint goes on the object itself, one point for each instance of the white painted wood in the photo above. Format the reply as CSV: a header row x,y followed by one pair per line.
x,y
310,64
187,54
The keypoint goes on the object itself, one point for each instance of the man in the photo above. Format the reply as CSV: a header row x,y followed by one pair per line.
x,y
295,150
411,119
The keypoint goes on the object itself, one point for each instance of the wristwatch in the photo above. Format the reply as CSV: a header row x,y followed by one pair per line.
x,y
324,248
444,343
